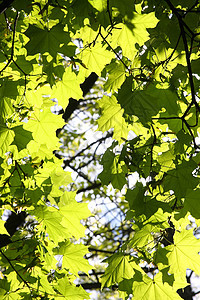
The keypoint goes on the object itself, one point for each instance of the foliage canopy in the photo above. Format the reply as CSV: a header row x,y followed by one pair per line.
x,y
146,54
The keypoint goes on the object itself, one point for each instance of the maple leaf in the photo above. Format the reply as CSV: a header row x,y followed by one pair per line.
x,y
44,40
70,291
180,255
95,58
43,127
79,211
154,289
68,87
72,257
119,268
112,117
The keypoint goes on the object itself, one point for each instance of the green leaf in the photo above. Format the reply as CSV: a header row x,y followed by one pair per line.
x,y
101,7
142,237
116,76
112,170
96,58
167,98
68,87
11,296
112,117
119,268
51,221
143,205
70,291
6,107
184,140
183,179
147,62
2,228
8,88
22,137
133,32
154,289
176,283
72,257
125,7
43,126
6,138
166,160
138,103
59,178
25,65
183,253
98,4
43,40
191,203
79,211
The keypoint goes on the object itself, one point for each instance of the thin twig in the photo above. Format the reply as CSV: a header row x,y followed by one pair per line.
x,y
13,44
8,260
109,13
113,50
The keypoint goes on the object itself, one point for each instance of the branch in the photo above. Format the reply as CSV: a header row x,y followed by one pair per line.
x,y
195,293
151,152
95,286
113,50
13,45
100,250
90,286
182,24
109,13
95,185
68,161
191,133
5,5
8,260
81,174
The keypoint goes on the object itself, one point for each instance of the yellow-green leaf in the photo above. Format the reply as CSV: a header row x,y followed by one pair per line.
x,y
112,117
68,87
73,257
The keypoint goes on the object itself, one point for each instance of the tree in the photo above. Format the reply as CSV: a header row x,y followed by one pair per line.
x,y
132,67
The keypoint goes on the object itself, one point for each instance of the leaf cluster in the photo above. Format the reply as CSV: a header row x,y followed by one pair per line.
x,y
147,57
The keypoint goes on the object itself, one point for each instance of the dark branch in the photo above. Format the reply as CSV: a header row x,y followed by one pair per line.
x,y
95,185
13,45
5,5
182,24
68,161
91,285
12,266
100,250
109,13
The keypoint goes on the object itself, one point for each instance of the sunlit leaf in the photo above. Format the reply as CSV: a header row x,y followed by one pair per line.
x,y
72,257
112,117
68,87
154,289
95,58
70,291
79,211
119,268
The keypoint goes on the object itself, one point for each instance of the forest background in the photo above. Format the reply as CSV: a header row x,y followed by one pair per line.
x,y
99,149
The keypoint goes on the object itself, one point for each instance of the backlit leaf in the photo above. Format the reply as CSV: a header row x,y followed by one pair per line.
x,y
68,87
118,269
73,257
154,289
112,117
